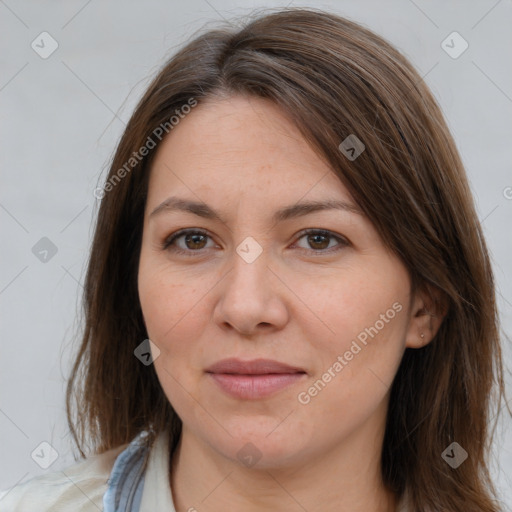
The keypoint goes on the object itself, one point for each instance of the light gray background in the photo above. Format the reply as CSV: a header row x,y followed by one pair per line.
x,y
61,119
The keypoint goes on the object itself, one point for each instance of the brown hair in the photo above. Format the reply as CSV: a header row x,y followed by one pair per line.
x,y
334,78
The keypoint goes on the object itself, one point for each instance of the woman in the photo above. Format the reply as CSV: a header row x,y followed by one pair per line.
x,y
289,302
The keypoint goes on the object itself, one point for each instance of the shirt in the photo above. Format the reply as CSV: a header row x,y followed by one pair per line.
x,y
113,481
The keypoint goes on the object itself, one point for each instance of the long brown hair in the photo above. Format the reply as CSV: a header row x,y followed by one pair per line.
x,y
333,78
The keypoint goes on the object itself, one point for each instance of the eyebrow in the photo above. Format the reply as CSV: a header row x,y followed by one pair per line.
x,y
288,212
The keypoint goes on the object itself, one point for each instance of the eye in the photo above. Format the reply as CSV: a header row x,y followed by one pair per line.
x,y
320,240
194,240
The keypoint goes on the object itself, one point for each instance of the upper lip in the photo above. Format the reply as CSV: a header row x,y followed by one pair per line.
x,y
253,367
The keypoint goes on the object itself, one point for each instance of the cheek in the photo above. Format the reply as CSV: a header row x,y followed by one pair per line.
x,y
363,318
354,302
169,299
354,367
173,317
169,314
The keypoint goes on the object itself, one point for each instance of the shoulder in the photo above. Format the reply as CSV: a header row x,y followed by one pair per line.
x,y
78,488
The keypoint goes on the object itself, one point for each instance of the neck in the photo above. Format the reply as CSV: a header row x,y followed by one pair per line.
x,y
344,479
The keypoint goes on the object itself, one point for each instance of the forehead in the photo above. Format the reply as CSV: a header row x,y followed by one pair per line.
x,y
243,145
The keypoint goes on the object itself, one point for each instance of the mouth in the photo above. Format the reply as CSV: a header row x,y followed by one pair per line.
x,y
256,379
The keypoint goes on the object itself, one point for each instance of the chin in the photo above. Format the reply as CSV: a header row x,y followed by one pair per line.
x,y
258,444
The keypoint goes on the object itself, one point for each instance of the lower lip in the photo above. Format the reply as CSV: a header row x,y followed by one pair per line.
x,y
252,387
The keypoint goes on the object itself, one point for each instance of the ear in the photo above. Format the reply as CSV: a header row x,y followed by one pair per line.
x,y
429,308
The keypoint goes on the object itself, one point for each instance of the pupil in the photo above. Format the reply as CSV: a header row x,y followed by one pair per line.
x,y
313,237
194,240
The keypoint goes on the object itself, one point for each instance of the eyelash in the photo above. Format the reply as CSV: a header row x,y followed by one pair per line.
x,y
169,241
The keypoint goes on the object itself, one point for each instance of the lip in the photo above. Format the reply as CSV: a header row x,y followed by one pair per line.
x,y
252,367
255,379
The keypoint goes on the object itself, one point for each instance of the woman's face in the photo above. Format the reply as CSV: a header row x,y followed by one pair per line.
x,y
329,310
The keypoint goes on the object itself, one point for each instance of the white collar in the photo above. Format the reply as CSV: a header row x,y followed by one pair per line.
x,y
156,494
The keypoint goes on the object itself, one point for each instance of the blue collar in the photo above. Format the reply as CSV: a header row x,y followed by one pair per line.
x,y
126,481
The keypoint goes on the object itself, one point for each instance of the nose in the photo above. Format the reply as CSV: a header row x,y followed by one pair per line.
x,y
251,298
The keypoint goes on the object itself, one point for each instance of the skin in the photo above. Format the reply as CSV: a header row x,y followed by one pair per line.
x,y
299,302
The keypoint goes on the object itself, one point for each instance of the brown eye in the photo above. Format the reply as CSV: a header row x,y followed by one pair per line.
x,y
195,241
191,240
322,241
318,241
